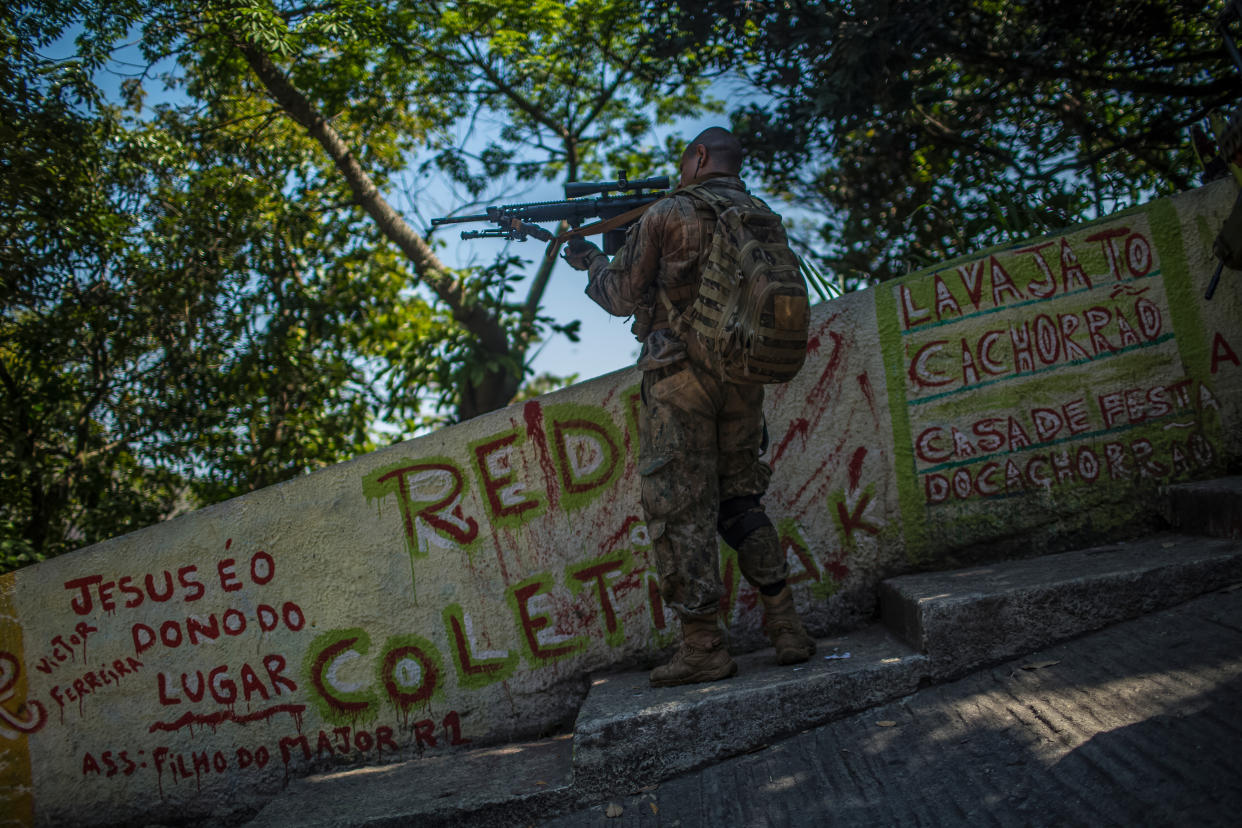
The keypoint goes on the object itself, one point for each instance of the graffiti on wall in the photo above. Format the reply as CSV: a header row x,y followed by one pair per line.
x,y
1048,370
548,467
223,664
433,594
191,674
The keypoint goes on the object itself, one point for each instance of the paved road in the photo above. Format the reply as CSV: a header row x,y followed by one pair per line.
x,y
1140,724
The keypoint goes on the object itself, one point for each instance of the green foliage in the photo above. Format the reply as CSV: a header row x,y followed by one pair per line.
x,y
565,86
921,130
574,81
75,354
187,302
200,300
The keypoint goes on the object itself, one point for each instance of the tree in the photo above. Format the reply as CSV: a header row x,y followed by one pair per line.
x,y
371,82
74,349
921,130
213,294
573,91
175,328
61,474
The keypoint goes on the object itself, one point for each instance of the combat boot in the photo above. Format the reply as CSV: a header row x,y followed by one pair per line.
x,y
702,657
784,628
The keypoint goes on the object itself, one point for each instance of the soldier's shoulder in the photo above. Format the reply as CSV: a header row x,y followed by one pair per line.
x,y
675,206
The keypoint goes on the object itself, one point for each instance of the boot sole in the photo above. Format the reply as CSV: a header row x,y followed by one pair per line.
x,y
697,678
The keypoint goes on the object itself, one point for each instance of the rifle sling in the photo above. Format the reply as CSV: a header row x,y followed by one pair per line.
x,y
598,227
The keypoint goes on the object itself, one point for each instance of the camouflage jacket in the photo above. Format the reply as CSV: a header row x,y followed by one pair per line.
x,y
665,247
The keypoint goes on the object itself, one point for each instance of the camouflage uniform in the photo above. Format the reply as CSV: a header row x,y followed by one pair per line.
x,y
699,437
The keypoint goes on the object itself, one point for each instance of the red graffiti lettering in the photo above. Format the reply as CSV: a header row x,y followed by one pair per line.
x,y
1222,352
441,510
852,520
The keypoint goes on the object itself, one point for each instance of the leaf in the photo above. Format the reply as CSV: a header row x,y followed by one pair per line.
x,y
613,810
886,723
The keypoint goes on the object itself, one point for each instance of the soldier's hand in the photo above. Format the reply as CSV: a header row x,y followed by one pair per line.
x,y
579,252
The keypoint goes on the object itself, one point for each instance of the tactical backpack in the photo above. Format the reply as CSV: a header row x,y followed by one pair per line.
x,y
751,310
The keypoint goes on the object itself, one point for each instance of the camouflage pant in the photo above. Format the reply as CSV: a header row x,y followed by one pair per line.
x,y
699,450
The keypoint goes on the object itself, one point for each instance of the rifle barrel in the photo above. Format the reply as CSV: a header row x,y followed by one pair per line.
x,y
436,222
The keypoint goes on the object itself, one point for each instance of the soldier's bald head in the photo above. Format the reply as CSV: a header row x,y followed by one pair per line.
x,y
722,147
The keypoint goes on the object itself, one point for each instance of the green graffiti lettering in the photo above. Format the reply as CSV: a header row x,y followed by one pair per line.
x,y
507,500
601,573
540,640
475,667
586,445
334,677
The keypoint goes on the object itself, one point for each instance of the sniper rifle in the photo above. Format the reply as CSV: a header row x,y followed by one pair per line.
x,y
604,200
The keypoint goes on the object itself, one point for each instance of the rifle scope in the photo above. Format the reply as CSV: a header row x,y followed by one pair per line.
x,y
577,189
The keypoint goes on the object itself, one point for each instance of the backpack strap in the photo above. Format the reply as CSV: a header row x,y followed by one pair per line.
x,y
718,202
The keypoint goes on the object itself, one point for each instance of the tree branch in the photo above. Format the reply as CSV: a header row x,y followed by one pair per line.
x,y
539,285
537,114
427,266
1101,77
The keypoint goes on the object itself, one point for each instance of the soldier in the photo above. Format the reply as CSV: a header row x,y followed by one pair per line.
x,y
699,436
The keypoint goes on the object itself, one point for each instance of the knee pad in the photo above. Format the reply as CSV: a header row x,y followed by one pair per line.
x,y
739,517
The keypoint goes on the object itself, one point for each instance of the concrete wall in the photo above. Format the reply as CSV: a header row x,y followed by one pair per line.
x,y
458,588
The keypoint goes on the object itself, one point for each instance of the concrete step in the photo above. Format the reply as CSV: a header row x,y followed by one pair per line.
x,y
1210,507
511,784
629,735
985,614
1137,724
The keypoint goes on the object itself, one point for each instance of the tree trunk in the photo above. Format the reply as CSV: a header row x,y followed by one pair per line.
x,y
495,391
498,386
